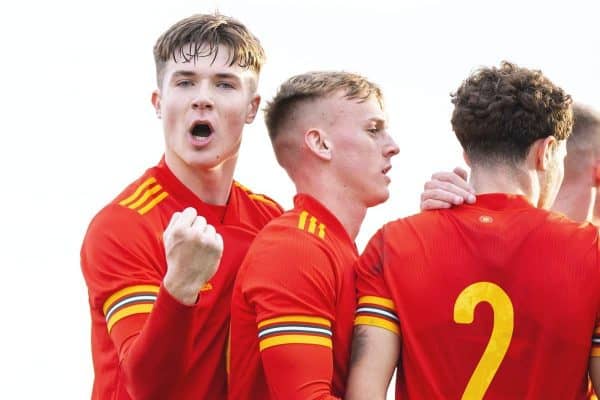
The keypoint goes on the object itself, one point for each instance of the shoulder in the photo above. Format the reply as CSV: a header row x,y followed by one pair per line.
x,y
283,248
560,226
260,201
290,234
130,210
126,228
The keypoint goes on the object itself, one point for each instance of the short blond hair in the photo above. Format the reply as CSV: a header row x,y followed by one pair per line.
x,y
201,35
312,86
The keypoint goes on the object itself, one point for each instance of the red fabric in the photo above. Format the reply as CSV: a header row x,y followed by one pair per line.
x,y
174,351
296,286
298,372
546,265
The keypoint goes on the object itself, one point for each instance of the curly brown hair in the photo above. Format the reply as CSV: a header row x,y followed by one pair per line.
x,y
500,112
200,36
315,85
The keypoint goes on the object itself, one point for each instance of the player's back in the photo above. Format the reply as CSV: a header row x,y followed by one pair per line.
x,y
498,298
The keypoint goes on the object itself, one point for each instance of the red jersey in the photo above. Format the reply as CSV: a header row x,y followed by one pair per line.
x,y
496,300
145,344
292,308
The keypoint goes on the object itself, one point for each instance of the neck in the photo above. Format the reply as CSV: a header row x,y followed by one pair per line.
x,y
212,185
351,214
506,179
576,201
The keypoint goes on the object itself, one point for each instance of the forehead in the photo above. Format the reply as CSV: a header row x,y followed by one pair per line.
x,y
201,58
357,109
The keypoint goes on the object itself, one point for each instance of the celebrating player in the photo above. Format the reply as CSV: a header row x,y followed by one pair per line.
x,y
498,298
293,300
159,310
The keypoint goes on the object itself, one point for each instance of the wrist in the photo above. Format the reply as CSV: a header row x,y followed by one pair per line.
x,y
183,292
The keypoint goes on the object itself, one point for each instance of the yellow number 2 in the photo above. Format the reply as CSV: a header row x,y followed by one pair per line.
x,y
502,331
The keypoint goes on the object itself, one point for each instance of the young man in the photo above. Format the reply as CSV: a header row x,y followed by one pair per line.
x,y
419,296
294,297
577,197
159,316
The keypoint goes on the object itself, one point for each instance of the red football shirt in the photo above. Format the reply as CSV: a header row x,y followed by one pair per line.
x,y
145,344
498,298
292,308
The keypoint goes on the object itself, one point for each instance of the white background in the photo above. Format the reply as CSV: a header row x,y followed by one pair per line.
x,y
77,125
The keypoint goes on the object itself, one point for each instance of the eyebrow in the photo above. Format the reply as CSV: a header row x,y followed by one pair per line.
x,y
378,121
225,75
183,73
220,75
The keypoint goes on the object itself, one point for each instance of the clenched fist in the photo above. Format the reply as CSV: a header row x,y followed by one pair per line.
x,y
193,249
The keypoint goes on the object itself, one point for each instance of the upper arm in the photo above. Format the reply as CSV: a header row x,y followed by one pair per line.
x,y
594,371
290,285
376,343
375,353
120,263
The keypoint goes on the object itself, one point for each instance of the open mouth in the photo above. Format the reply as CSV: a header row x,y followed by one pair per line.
x,y
201,130
386,169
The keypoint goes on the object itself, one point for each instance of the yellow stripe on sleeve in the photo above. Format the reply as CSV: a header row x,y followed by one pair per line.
x,y
294,339
321,231
126,312
154,202
127,291
295,318
595,352
378,322
139,190
302,220
380,301
145,196
312,225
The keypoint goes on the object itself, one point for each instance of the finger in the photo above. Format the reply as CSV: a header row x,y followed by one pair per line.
x,y
187,217
434,205
451,188
451,177
209,232
219,242
174,218
199,224
442,195
461,172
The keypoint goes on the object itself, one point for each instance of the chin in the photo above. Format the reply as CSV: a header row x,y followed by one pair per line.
x,y
378,198
209,160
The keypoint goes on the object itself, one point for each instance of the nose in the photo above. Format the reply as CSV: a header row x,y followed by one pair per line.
x,y
390,148
202,99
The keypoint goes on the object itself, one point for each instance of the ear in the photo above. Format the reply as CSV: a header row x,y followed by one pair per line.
x,y
252,108
156,102
545,151
317,142
466,158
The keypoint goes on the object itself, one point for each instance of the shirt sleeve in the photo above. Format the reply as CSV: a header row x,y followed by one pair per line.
x,y
123,263
375,305
291,285
595,350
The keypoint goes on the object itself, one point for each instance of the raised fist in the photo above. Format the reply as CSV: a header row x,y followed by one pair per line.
x,y
193,249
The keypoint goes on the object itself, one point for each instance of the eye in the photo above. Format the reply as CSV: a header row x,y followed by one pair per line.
x,y
184,83
373,131
225,85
